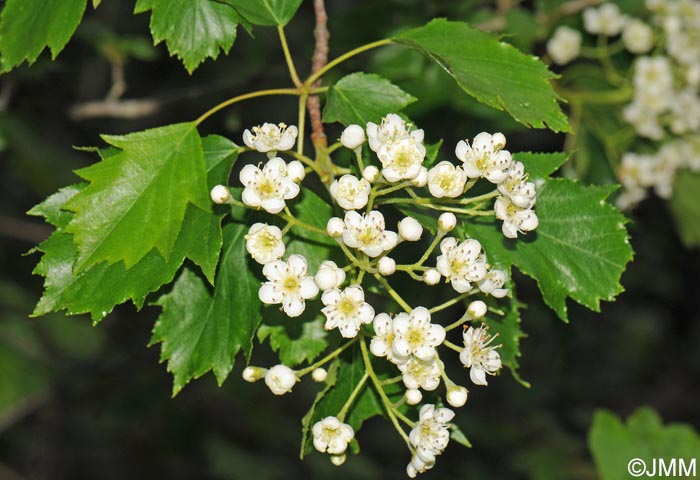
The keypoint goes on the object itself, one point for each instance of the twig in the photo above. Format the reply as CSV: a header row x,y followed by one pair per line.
x,y
23,230
318,61
109,108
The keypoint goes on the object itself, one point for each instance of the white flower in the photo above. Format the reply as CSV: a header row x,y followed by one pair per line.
x,y
485,157
386,266
268,187
346,310
402,159
431,276
270,137
419,373
332,436
335,227
446,180
350,192
383,336
515,219
645,122
367,233
429,437
295,171
456,396
414,335
264,243
392,129
477,309
447,221
329,275
413,396
461,263
604,20
319,375
410,230
637,36
478,354
493,282
653,75
565,45
220,194
288,284
370,173
280,379
521,192
352,137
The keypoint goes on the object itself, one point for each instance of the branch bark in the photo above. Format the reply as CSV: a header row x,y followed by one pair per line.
x,y
318,61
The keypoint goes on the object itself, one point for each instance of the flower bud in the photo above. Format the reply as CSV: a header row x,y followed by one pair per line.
x,y
319,375
476,309
413,396
431,277
370,173
329,275
280,379
499,141
421,179
446,222
338,460
352,137
295,171
410,229
386,266
335,227
220,194
457,396
253,374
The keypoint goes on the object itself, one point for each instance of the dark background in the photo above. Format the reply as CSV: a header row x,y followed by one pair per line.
x,y
78,402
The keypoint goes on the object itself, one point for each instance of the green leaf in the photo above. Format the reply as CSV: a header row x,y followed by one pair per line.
x,y
456,435
266,12
296,341
29,26
614,444
539,166
194,30
509,334
685,207
491,71
314,211
137,199
363,97
579,250
98,289
431,153
200,330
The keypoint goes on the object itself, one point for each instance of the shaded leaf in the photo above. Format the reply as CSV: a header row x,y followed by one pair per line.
x,y
194,30
29,26
685,207
509,334
296,340
202,330
314,211
266,12
491,71
363,97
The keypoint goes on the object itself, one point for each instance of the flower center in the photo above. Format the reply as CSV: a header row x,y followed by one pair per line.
x,y
267,188
266,241
290,284
347,307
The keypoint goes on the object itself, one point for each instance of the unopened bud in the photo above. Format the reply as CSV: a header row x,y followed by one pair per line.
x,y
335,227
413,396
457,396
352,137
319,375
295,171
220,194
370,173
476,309
386,266
431,277
410,229
253,374
446,222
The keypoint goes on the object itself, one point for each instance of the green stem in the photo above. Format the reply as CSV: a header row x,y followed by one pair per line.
x,y
449,303
458,323
245,96
291,219
310,81
452,346
430,249
390,410
326,359
301,122
351,398
394,294
288,57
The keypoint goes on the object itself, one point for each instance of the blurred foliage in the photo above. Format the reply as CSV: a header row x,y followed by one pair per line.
x,y
81,403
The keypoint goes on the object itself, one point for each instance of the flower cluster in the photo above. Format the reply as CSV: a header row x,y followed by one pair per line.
x,y
664,80
412,339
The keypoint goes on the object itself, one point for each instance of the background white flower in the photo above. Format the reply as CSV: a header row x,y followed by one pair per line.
x,y
288,284
604,20
346,310
270,137
565,45
268,187
264,243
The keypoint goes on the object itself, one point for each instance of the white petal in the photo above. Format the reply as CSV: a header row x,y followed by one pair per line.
x,y
308,288
292,306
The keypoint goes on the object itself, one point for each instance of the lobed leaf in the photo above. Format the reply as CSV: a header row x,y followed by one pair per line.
x,y
297,341
202,330
614,444
491,71
363,97
27,27
137,198
266,12
509,333
193,30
